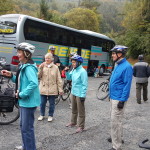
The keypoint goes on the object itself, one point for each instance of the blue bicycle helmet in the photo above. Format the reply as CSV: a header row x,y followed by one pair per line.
x,y
119,49
77,58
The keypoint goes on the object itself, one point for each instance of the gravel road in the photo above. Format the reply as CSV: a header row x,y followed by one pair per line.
x,y
55,136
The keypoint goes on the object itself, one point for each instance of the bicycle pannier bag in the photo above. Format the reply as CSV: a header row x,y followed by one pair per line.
x,y
7,100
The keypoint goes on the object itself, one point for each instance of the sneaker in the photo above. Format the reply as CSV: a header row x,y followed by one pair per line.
x,y
49,119
19,148
70,125
40,118
79,130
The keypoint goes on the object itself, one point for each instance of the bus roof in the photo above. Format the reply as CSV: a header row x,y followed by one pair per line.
x,y
87,32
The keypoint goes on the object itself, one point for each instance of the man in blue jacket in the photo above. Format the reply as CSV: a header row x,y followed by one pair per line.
x,y
120,84
79,78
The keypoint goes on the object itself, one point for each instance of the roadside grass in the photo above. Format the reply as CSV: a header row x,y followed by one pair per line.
x,y
132,61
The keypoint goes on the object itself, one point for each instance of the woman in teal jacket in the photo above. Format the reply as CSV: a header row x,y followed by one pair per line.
x,y
27,93
79,78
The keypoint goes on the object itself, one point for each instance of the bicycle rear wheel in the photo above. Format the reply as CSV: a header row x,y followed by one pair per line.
x,y
102,91
9,117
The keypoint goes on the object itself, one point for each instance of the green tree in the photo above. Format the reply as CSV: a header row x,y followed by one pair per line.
x,y
83,19
137,25
112,16
5,6
90,4
44,10
57,17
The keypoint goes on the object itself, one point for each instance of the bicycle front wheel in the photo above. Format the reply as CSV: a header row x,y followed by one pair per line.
x,y
102,91
57,99
9,117
67,91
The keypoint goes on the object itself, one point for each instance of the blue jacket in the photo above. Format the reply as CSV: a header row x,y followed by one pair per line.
x,y
28,86
79,81
120,81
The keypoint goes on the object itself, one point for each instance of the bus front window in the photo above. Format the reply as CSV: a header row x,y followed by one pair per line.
x,y
7,27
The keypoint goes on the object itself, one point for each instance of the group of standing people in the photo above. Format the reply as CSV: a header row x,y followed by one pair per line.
x,y
30,94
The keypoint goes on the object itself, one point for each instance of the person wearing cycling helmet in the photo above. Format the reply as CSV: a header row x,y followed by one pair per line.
x,y
119,90
72,54
70,67
79,78
56,58
27,93
141,74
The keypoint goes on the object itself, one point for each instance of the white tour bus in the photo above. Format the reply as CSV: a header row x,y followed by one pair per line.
x,y
17,28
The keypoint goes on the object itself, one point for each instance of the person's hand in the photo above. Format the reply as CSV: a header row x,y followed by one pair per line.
x,y
66,68
6,73
82,99
17,94
57,64
60,93
120,105
42,65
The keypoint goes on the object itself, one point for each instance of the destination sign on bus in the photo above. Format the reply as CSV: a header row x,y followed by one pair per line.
x,y
6,30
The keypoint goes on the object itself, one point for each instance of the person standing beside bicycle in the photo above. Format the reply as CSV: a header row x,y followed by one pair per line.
x,y
79,78
27,93
50,85
141,73
119,90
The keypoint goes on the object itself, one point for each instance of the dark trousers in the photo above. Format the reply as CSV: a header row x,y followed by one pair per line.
x,y
139,87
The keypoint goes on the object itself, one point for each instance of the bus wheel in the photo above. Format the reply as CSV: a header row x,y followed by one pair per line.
x,y
101,70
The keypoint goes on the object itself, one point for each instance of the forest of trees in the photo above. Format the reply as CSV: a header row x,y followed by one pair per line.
x,y
126,21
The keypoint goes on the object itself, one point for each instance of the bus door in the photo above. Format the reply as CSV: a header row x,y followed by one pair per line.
x,y
101,57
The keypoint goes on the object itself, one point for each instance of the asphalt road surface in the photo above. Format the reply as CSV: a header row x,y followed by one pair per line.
x,y
55,136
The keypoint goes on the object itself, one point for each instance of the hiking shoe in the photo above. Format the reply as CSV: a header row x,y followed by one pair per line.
x,y
40,118
110,140
19,148
70,125
79,130
50,119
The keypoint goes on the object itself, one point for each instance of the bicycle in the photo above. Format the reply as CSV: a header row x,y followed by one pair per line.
x,y
66,94
103,90
7,114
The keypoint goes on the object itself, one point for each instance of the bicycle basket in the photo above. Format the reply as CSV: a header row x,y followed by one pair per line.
x,y
6,103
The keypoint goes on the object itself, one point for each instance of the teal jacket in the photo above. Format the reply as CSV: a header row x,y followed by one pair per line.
x,y
79,81
28,86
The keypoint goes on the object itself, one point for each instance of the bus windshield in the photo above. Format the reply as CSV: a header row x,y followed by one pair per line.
x,y
8,25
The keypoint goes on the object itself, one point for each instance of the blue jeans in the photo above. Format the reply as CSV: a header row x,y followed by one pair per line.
x,y
51,99
27,127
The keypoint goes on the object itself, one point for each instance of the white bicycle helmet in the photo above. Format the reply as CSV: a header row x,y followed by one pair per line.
x,y
52,48
26,47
